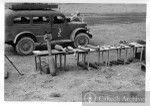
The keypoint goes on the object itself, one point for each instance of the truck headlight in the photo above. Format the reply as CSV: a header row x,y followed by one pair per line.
x,y
88,29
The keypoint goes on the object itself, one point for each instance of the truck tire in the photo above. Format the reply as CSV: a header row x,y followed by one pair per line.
x,y
25,46
81,39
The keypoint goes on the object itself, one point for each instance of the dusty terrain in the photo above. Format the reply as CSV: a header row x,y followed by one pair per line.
x,y
100,8
69,85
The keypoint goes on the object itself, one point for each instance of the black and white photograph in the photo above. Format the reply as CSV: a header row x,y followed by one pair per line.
x,y
75,52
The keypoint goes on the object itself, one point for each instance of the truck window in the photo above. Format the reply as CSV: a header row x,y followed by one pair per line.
x,y
40,20
58,20
21,20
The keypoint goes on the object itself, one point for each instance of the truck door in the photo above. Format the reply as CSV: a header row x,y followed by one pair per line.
x,y
40,25
59,28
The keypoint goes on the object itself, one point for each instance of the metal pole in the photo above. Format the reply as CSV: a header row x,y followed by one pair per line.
x,y
65,62
60,60
78,58
35,59
56,61
102,56
117,54
120,53
108,59
98,57
40,65
14,65
141,54
126,54
87,57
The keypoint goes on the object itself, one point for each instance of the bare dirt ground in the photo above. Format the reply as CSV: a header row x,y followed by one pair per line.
x,y
113,33
69,85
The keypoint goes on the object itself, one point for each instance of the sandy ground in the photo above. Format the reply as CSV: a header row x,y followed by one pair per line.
x,y
69,85
113,33
101,8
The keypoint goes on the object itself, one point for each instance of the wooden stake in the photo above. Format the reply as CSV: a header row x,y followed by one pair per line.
x,y
48,38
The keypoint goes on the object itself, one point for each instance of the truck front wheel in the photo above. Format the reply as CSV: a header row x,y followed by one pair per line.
x,y
81,39
25,46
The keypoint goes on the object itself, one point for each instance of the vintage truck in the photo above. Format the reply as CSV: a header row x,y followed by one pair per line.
x,y
26,25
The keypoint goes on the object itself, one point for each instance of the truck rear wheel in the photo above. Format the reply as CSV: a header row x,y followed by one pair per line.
x,y
81,39
25,46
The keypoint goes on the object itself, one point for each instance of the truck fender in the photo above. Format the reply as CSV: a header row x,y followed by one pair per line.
x,y
73,34
21,34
